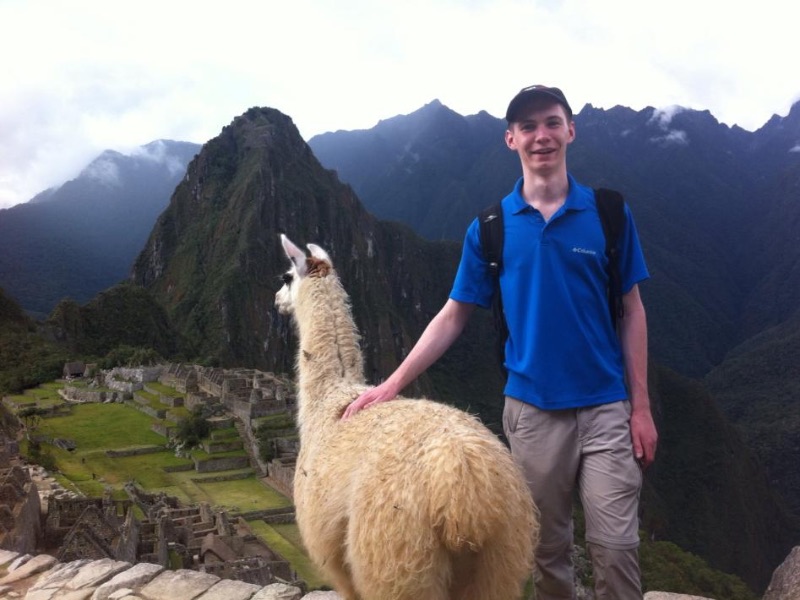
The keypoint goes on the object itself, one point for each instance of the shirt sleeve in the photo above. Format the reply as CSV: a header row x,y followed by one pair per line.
x,y
473,283
633,268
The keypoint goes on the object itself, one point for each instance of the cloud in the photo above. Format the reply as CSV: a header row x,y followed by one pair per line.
x,y
158,152
675,137
662,117
88,75
104,170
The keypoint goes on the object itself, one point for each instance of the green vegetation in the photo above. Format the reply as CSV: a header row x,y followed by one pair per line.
x,y
242,495
26,358
667,568
224,434
128,356
178,413
103,427
160,388
193,429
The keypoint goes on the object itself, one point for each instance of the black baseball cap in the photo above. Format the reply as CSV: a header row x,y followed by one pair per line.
x,y
525,95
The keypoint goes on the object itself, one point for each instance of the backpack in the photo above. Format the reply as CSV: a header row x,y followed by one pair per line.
x,y
611,209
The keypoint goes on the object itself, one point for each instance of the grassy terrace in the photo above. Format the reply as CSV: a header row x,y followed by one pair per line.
x,y
97,428
153,400
44,396
178,413
166,390
224,434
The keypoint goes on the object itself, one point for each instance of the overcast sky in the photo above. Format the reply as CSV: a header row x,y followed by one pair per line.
x,y
81,76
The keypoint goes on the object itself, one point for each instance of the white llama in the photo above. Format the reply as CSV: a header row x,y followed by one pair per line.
x,y
407,500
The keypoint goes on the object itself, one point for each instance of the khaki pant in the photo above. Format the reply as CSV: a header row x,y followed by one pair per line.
x,y
591,448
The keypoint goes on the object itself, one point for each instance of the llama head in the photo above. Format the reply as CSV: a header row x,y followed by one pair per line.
x,y
317,265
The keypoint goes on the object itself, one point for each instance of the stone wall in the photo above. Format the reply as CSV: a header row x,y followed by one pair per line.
x,y
138,374
181,377
143,404
281,475
64,513
248,409
163,428
128,543
125,379
216,446
43,576
90,395
134,451
218,478
210,465
195,400
20,511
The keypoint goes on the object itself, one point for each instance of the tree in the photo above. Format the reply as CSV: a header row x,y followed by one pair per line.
x,y
30,417
193,430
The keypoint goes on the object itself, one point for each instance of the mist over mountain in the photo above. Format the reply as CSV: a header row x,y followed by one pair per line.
x,y
82,237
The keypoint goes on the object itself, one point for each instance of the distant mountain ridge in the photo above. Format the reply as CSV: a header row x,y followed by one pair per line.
x,y
696,186
80,238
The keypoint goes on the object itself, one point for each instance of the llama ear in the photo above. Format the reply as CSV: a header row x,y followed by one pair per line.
x,y
319,253
294,254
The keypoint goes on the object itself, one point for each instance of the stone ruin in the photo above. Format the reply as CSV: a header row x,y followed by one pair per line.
x,y
196,538
206,540
170,535
245,393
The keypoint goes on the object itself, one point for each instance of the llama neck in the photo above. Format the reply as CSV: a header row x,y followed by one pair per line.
x,y
329,351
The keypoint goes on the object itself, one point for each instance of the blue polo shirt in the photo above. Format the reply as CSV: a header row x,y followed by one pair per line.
x,y
562,351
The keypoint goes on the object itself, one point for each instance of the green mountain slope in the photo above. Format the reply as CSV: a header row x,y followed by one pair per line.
x,y
758,388
707,492
26,357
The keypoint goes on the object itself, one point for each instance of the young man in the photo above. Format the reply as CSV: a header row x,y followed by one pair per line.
x,y
570,418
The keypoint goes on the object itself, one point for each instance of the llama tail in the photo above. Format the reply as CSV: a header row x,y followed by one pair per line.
x,y
483,512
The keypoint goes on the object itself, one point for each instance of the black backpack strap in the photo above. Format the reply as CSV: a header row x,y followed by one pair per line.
x,y
491,225
611,208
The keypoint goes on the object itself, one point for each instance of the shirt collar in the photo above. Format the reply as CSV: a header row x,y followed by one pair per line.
x,y
579,197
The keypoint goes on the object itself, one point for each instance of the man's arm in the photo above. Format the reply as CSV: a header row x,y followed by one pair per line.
x,y
633,336
438,336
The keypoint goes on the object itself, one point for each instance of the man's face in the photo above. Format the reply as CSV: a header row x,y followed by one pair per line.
x,y
540,137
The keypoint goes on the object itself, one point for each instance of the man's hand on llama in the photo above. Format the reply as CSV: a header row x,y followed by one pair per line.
x,y
373,396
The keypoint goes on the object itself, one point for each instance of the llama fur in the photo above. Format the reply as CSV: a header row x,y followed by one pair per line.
x,y
406,500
